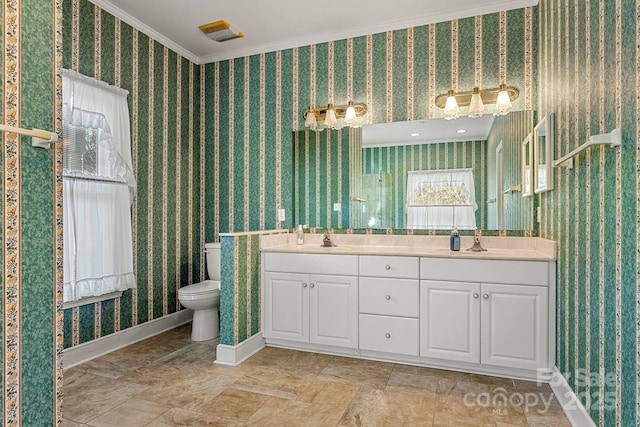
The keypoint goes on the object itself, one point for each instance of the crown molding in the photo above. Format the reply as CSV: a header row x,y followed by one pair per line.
x,y
145,29
315,39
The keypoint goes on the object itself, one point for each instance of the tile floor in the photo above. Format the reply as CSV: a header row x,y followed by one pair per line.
x,y
167,380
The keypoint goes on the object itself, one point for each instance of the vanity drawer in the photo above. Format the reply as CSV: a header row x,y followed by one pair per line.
x,y
391,297
389,334
344,265
389,266
485,271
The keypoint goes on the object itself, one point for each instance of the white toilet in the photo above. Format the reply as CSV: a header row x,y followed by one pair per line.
x,y
204,298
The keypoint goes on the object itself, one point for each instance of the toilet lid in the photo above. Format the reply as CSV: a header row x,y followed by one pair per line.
x,y
198,288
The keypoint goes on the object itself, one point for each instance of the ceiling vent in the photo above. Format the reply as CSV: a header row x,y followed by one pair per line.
x,y
220,31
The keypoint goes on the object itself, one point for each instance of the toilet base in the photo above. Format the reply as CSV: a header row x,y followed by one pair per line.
x,y
205,325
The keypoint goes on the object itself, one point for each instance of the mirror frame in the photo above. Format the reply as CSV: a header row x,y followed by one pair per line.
x,y
543,139
527,166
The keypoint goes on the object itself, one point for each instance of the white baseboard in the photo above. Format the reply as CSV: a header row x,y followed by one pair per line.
x,y
573,408
90,350
230,355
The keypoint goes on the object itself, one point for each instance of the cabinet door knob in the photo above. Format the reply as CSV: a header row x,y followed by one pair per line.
x,y
387,335
311,285
485,296
388,267
476,295
388,297
304,284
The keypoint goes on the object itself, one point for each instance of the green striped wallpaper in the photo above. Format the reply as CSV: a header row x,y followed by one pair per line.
x,y
589,77
397,74
31,258
165,98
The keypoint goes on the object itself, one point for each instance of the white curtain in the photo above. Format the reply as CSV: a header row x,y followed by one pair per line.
x,y
441,199
98,188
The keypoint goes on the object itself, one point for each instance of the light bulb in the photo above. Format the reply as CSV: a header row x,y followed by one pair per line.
x,y
310,119
330,119
503,103
476,106
350,114
451,109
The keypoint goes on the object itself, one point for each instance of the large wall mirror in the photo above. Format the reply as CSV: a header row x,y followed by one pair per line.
x,y
380,176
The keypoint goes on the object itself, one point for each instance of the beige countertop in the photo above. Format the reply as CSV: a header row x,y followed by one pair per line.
x,y
498,248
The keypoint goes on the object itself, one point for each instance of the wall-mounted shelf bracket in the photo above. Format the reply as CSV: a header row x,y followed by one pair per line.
x,y
613,139
39,138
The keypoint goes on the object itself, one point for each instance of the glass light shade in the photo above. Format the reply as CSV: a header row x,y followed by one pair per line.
x,y
330,119
310,119
503,103
350,114
451,109
476,106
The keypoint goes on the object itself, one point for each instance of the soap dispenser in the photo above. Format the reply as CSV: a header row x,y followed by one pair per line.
x,y
454,240
300,235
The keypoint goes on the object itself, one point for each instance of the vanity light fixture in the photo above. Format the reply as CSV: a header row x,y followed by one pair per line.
x,y
451,108
334,116
330,119
476,99
476,106
503,103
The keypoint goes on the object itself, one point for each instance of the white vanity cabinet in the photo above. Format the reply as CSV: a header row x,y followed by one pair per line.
x,y
389,304
489,312
311,298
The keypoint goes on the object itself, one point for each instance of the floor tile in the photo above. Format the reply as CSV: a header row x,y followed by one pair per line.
x,y
132,413
284,412
182,417
168,380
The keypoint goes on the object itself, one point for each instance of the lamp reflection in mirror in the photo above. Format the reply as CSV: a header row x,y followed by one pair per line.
x,y
334,116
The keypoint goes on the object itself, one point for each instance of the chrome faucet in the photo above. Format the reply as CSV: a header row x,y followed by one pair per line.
x,y
477,247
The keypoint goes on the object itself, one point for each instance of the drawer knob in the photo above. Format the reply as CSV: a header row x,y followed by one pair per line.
x,y
388,297
311,285
304,284
476,295
388,267
387,335
485,296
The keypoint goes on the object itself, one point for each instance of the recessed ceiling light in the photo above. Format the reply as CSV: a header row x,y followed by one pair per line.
x,y
415,134
461,131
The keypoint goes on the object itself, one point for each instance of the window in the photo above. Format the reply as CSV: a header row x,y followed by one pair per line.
x,y
98,188
441,199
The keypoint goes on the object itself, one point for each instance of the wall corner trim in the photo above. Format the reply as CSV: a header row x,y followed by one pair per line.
x,y
82,353
573,408
230,355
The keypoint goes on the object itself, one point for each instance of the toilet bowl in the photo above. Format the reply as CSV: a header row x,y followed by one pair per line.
x,y
204,298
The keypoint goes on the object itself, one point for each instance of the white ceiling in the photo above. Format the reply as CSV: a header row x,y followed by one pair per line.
x,y
427,131
271,25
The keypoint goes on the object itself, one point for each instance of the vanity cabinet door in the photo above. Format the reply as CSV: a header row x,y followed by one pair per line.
x,y
449,320
333,310
514,326
286,306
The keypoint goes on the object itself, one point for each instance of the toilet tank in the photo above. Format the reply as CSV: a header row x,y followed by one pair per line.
x,y
212,250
